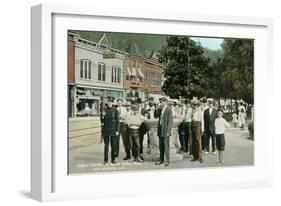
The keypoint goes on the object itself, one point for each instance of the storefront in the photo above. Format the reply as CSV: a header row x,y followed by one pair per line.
x,y
90,100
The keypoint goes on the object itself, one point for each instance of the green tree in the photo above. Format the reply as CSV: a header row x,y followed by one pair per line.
x,y
237,76
184,67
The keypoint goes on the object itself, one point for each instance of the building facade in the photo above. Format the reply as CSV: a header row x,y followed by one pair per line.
x,y
142,75
95,72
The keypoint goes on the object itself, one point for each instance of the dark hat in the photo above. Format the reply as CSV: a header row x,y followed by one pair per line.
x,y
139,101
110,99
204,100
135,107
162,99
187,101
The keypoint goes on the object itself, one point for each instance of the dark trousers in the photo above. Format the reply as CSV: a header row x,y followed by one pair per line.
x,y
141,137
135,140
112,141
196,140
117,142
164,148
210,135
125,138
181,135
186,136
142,130
203,141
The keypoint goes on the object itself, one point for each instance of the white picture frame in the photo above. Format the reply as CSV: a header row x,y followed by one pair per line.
x,y
49,178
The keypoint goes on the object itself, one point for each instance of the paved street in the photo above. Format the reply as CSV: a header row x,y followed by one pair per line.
x,y
86,151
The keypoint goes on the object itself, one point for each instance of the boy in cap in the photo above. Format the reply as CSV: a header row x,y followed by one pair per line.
x,y
220,125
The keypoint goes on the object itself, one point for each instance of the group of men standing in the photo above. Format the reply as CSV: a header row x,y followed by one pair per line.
x,y
128,121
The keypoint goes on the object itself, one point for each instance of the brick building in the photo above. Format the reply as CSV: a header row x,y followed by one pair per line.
x,y
142,75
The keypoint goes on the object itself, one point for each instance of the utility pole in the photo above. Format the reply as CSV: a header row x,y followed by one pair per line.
x,y
188,70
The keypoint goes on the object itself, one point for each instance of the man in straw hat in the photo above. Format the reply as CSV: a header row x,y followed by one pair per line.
x,y
134,122
165,124
197,128
110,128
122,113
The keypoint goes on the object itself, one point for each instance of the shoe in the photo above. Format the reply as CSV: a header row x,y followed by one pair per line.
x,y
141,157
201,161
166,164
214,153
105,162
217,162
193,159
206,153
126,158
189,156
159,163
113,162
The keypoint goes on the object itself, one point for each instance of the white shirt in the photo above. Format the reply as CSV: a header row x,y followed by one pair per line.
x,y
176,112
162,113
210,110
122,111
197,116
187,113
220,125
134,121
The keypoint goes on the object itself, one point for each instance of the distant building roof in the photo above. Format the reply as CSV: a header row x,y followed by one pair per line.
x,y
133,49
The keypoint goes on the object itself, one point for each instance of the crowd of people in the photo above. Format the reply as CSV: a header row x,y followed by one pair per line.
x,y
201,129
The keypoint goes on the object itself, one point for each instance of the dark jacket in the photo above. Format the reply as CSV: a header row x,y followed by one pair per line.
x,y
209,120
110,122
143,127
165,129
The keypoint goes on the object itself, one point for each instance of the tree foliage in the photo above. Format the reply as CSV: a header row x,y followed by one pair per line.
x,y
238,69
188,72
184,67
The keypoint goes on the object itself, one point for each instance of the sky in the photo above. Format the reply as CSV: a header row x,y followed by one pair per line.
x,y
210,43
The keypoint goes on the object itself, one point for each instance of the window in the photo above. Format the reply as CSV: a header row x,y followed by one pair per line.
x,y
85,69
116,74
101,72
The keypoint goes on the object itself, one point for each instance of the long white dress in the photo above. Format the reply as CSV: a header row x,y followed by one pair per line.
x,y
241,120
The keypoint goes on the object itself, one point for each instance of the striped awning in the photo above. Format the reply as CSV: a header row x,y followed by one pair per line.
x,y
140,73
129,71
134,72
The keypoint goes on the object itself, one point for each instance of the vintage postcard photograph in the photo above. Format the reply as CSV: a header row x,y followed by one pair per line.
x,y
139,102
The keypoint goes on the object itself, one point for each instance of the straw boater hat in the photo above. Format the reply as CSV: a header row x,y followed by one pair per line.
x,y
161,99
211,100
195,101
176,101
128,104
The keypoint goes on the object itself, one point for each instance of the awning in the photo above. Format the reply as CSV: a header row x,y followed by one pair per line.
x,y
129,71
134,72
140,73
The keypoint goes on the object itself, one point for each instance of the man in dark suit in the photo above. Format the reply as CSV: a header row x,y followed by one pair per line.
x,y
165,124
210,116
110,128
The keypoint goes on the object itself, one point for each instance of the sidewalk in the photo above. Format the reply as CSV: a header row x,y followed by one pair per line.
x,y
86,156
